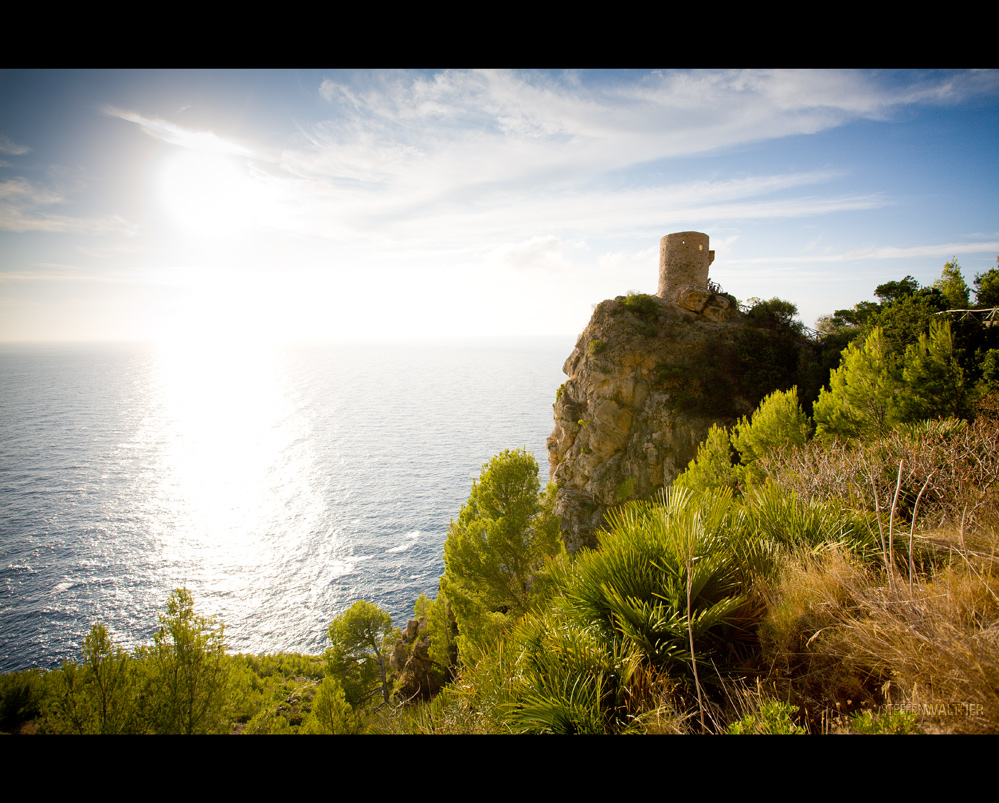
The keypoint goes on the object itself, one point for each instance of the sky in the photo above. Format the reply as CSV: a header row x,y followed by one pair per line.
x,y
377,205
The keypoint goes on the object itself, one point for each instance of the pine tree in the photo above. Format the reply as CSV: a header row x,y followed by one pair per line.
x,y
934,382
189,682
503,535
987,287
712,466
951,283
99,696
778,422
361,640
331,713
861,400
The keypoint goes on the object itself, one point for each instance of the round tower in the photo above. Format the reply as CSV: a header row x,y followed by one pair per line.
x,y
683,259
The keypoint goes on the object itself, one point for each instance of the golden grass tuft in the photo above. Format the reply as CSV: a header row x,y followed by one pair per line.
x,y
845,636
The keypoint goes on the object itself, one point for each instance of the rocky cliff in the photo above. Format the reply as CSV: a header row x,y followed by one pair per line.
x,y
648,377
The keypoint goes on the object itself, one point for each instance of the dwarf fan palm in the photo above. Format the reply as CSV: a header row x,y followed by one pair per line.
x,y
669,577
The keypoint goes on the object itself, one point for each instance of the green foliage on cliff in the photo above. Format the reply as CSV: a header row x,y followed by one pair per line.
x,y
504,533
713,465
640,303
625,489
705,383
776,314
187,678
778,423
360,641
99,697
769,353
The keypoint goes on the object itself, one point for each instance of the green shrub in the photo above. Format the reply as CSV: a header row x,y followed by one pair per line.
x,y
21,695
331,713
772,718
776,313
503,535
712,466
778,423
640,303
666,372
99,697
893,721
188,678
708,382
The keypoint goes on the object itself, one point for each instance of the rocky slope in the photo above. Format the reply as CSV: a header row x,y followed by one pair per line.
x,y
647,378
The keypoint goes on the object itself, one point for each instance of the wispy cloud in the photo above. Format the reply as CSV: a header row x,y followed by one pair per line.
x,y
412,147
943,250
23,208
613,212
463,159
202,141
7,145
400,122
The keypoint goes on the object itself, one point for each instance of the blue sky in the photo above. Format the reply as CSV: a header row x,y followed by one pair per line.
x,y
288,204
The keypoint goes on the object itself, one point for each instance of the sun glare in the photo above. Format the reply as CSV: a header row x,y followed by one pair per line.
x,y
207,195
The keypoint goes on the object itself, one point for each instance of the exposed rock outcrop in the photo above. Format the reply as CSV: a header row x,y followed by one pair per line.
x,y
417,677
648,377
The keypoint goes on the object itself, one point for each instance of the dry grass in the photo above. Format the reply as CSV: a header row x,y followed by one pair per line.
x,y
940,473
656,704
841,636
814,594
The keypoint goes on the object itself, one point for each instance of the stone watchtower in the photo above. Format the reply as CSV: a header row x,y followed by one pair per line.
x,y
683,260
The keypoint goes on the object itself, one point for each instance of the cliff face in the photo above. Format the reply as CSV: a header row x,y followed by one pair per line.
x,y
647,378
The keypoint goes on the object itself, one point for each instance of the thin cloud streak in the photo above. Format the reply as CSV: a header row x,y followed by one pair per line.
x,y
885,252
19,212
609,214
202,141
320,212
7,145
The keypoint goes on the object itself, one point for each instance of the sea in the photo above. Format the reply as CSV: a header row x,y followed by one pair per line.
x,y
278,483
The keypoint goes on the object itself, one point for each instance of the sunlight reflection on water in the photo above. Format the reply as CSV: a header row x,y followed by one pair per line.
x,y
278,484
